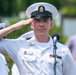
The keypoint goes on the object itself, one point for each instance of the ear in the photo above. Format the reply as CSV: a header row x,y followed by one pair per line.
x,y
50,25
31,25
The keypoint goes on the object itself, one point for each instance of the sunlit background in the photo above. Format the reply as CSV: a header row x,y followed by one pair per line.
x,y
12,11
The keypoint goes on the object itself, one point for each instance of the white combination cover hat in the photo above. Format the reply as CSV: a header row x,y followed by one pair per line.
x,y
2,25
27,35
43,9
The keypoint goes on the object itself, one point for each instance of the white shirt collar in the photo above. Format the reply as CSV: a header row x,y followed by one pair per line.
x,y
32,41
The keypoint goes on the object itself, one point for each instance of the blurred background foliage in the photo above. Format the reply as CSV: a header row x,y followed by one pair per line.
x,y
13,7
10,10
68,8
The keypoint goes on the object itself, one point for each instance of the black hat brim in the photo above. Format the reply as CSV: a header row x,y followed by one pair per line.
x,y
41,15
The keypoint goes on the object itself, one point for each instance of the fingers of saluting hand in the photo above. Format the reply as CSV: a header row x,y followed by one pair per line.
x,y
25,22
22,23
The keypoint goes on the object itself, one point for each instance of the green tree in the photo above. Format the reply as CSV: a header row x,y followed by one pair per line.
x,y
13,7
68,8
8,7
23,4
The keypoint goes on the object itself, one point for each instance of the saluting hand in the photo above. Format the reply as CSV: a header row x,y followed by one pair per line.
x,y
13,27
22,23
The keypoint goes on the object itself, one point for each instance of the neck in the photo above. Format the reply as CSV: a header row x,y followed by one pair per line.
x,y
42,38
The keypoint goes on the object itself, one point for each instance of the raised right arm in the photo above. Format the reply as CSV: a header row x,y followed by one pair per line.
x,y
13,27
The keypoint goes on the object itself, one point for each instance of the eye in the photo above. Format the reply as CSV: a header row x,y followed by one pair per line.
x,y
37,20
45,20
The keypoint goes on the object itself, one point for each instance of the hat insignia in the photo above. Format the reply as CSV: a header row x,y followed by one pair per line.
x,y
41,9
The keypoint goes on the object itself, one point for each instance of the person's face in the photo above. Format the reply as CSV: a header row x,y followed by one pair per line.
x,y
41,26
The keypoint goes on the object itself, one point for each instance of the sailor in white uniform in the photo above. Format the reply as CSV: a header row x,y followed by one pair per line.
x,y
35,56
4,70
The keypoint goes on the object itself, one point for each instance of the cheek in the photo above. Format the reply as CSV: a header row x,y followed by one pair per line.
x,y
49,27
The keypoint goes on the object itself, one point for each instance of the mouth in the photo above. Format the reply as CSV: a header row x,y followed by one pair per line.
x,y
41,30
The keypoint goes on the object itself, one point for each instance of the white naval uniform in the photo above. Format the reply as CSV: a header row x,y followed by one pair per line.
x,y
34,58
3,66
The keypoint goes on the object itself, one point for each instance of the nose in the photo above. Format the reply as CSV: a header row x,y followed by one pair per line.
x,y
41,25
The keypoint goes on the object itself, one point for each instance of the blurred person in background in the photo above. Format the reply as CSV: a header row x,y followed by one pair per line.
x,y
71,43
4,70
15,70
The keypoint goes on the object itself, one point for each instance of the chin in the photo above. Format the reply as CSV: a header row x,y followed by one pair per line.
x,y
41,33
